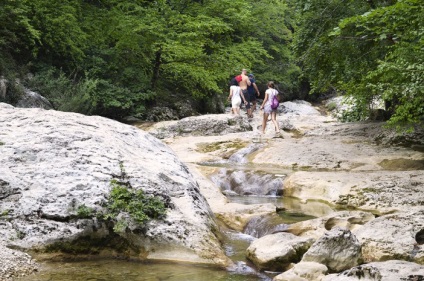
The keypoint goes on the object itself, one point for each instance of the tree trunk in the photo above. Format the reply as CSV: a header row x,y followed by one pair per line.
x,y
156,68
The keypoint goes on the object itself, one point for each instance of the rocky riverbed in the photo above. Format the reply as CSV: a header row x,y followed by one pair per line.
x,y
373,174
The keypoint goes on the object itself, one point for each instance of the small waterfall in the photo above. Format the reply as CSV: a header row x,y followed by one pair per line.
x,y
240,156
241,182
263,225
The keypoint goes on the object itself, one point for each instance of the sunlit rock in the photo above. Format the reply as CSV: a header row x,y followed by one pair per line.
x,y
277,251
391,270
55,164
380,191
394,236
338,249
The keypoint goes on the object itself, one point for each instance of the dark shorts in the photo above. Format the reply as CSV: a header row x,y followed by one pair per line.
x,y
246,97
252,97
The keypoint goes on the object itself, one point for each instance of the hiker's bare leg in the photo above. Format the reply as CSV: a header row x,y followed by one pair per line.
x,y
274,120
264,120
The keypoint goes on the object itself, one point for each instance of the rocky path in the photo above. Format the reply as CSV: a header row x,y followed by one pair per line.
x,y
359,166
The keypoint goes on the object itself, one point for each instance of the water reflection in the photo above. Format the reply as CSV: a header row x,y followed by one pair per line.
x,y
115,270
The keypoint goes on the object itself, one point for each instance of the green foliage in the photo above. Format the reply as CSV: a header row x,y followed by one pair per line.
x,y
140,207
4,213
331,106
64,93
323,62
15,91
398,77
119,57
88,95
116,57
366,51
61,39
18,37
272,22
85,212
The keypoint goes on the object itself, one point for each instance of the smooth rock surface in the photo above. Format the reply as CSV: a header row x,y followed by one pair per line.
x,y
277,251
52,163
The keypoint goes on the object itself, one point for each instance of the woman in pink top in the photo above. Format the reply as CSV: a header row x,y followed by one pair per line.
x,y
266,106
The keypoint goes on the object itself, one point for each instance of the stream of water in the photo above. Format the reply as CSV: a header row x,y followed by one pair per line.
x,y
247,185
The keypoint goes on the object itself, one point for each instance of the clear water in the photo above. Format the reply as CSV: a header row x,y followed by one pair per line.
x,y
235,245
116,270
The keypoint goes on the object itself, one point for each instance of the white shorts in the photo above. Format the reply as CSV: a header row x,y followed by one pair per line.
x,y
235,102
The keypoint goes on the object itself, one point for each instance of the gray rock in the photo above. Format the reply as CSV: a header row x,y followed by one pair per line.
x,y
299,107
338,249
52,163
379,191
31,99
15,264
381,271
393,236
3,88
205,125
277,251
160,113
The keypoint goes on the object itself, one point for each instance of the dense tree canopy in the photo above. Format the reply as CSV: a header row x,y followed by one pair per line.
x,y
371,50
120,57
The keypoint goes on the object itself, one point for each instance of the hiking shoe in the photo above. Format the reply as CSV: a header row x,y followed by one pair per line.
x,y
278,135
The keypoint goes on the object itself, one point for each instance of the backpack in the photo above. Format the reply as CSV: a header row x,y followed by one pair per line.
x,y
275,102
233,82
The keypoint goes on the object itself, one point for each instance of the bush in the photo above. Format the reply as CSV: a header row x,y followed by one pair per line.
x,y
140,207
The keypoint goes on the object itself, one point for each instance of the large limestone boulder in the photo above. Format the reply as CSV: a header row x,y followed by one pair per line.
x,y
277,251
338,249
53,165
395,236
392,270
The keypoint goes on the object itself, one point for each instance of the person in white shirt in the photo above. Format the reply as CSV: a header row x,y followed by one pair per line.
x,y
236,97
